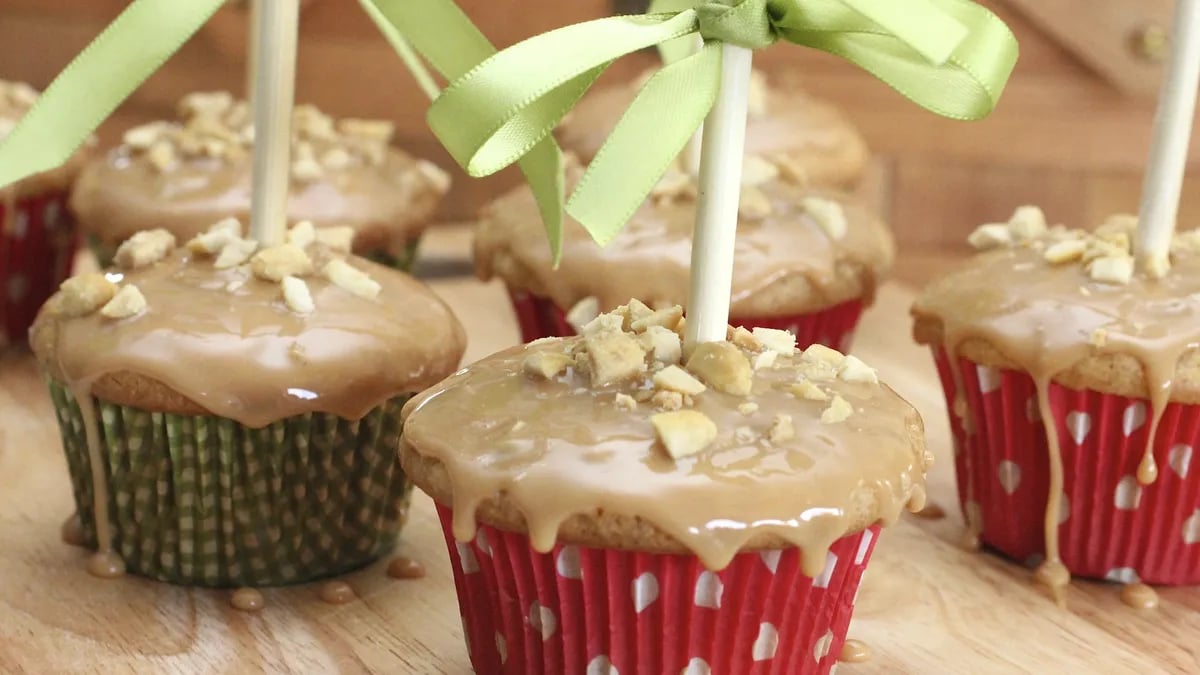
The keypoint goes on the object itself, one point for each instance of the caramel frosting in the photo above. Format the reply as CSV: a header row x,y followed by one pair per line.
x,y
215,334
16,98
798,249
184,175
619,439
1069,307
810,135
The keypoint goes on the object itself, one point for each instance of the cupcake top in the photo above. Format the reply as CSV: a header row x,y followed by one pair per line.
x,y
813,138
16,98
224,326
798,249
184,175
1071,305
617,439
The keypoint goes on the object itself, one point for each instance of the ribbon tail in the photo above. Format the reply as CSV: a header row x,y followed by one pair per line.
x,y
543,169
103,75
656,127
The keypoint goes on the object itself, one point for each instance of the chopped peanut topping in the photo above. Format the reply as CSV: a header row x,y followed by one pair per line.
x,y
277,262
624,401
765,359
144,248
748,408
756,171
128,302
440,180
776,340
829,215
665,318
375,130
674,378
992,235
782,429
85,293
1068,250
809,391
339,239
546,365
350,278
614,357
1112,269
854,370
723,367
684,432
745,339
1027,222
662,345
297,296
839,410
822,354
216,238
754,204
667,400
583,312
302,234
235,253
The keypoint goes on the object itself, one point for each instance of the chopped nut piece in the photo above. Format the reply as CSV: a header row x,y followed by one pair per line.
x,y
1157,266
634,310
765,359
1068,250
854,370
306,170
217,237
313,123
162,155
723,367
296,295
756,171
663,345
666,318
235,253
748,408
546,365
1113,270
302,234
85,293
838,411
1027,222
336,159
674,378
614,357
624,402
667,400
433,174
603,323
791,169
583,312
231,225
375,130
674,183
684,432
782,429
143,136
144,248
22,94
754,204
744,339
776,340
128,302
1099,337
1118,223
809,391
350,278
206,104
829,215
277,262
822,354
339,239
745,435
992,235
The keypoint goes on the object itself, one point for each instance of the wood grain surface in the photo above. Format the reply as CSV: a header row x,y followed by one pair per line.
x,y
927,605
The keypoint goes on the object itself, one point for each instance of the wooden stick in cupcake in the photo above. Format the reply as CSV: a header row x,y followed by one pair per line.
x,y
1169,151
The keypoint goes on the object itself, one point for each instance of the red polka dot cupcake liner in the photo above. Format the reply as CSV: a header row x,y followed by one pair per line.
x,y
37,245
539,317
586,611
1109,526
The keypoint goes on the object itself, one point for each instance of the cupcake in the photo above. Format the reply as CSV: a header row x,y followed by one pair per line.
x,y
814,140
807,259
184,175
37,233
230,412
1073,381
612,506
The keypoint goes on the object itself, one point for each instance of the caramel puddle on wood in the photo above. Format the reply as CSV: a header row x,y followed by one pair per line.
x,y
72,531
855,651
247,600
405,568
336,592
1139,596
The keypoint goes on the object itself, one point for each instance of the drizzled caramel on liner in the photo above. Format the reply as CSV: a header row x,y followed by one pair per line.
x,y
1067,306
559,439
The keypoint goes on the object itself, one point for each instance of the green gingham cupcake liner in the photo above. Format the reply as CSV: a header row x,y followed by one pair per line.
x,y
205,501
403,261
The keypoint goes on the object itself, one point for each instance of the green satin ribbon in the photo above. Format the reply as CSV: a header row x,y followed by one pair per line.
x,y
103,75
952,57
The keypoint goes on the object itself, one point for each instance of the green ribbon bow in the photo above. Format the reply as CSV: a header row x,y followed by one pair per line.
x,y
952,57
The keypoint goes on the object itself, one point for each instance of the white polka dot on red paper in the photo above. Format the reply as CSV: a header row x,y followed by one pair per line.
x,y
645,591
864,546
502,648
1079,425
766,643
771,559
542,620
1128,494
1180,459
989,379
1009,474
466,556
709,590
1191,528
822,579
567,563
1133,418
1124,575
601,665
697,666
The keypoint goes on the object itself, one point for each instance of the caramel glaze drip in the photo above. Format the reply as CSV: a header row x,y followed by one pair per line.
x,y
247,600
1042,319
787,250
932,511
1139,596
222,342
336,592
855,651
560,448
72,531
401,567
119,195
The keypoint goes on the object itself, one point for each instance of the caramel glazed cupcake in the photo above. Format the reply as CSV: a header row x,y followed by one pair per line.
x,y
612,502
230,412
185,175
806,259
1073,379
815,141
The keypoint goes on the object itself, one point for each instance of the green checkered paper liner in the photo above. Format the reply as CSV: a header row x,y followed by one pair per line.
x,y
402,261
205,501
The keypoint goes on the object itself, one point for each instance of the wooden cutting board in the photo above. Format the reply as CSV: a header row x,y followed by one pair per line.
x,y
926,607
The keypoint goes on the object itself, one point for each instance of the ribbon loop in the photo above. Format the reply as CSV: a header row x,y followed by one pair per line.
x,y
745,23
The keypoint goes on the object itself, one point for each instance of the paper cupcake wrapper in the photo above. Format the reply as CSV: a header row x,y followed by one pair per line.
x,y
1110,527
585,611
539,317
205,501
37,245
404,261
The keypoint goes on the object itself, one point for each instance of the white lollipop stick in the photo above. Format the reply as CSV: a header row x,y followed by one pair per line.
x,y
1169,151
255,25
274,96
717,210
